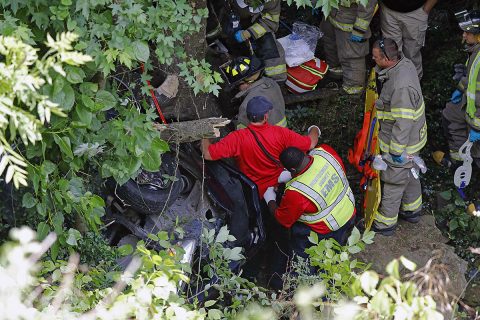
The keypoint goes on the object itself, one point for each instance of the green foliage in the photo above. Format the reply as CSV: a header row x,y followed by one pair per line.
x,y
326,5
463,228
338,268
23,108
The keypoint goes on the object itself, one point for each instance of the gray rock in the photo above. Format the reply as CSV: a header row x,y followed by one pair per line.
x,y
418,243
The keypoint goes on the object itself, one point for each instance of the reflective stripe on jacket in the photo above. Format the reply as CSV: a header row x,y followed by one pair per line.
x,y
267,20
326,185
401,110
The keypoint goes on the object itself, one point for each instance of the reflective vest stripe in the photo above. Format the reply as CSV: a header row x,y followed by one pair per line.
x,y
311,87
474,122
472,85
313,71
406,113
385,220
326,185
384,115
320,202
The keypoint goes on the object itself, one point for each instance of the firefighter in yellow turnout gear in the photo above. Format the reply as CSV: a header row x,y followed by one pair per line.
x,y
461,116
346,33
403,133
259,21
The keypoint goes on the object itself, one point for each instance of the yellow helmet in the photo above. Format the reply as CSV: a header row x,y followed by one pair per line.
x,y
241,68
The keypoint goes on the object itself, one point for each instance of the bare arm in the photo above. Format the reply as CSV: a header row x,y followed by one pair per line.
x,y
205,144
429,4
314,133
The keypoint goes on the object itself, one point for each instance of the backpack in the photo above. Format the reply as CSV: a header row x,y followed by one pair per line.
x,y
306,76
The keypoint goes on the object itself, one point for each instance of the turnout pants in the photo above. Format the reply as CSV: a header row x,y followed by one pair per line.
x,y
401,190
408,30
340,51
456,129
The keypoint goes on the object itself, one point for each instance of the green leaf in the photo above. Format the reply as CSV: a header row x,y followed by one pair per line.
x,y
54,249
142,51
65,98
369,281
28,201
42,231
83,114
125,250
381,304
48,167
74,74
106,99
446,195
64,144
368,236
393,269
73,237
222,235
57,222
215,314
354,249
354,237
209,303
410,265
313,237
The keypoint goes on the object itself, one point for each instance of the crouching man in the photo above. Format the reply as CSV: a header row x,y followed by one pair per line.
x,y
318,197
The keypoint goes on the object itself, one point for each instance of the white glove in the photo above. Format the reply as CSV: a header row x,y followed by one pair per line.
x,y
284,176
269,195
314,126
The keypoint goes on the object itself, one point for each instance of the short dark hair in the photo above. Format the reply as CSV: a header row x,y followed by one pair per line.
x,y
291,157
388,48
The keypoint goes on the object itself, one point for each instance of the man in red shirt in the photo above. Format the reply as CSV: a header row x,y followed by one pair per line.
x,y
244,148
318,198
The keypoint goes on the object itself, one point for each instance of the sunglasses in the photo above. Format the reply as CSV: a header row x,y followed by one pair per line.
x,y
381,44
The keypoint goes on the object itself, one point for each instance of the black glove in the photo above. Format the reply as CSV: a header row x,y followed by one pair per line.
x,y
460,71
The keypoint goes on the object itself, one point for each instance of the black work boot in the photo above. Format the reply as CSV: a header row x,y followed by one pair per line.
x,y
409,216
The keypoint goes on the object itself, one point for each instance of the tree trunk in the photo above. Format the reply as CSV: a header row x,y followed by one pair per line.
x,y
188,131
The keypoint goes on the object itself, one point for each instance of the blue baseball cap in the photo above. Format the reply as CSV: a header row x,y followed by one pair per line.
x,y
258,106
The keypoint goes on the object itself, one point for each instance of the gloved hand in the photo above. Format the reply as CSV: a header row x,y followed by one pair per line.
x,y
460,71
269,195
397,159
456,96
284,176
314,126
356,38
474,135
242,35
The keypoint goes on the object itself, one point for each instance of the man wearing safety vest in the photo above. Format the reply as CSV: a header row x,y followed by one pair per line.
x,y
258,22
247,74
403,133
461,116
317,197
346,33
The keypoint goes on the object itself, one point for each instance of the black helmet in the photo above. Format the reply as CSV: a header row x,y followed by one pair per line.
x,y
469,21
240,68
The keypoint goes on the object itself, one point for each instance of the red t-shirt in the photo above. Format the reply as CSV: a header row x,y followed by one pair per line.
x,y
251,160
294,204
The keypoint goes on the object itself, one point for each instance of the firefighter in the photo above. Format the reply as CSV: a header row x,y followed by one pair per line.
x,y
406,23
403,133
318,198
247,74
346,33
461,116
254,23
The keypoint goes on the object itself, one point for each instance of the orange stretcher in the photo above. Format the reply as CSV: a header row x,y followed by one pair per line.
x,y
364,151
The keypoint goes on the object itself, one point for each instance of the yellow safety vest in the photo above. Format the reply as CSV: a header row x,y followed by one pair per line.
x,y
326,185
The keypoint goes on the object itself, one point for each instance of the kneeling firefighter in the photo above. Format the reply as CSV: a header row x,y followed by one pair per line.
x,y
254,23
247,74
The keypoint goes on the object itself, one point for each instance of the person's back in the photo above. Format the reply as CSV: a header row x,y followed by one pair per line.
x,y
261,166
270,89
